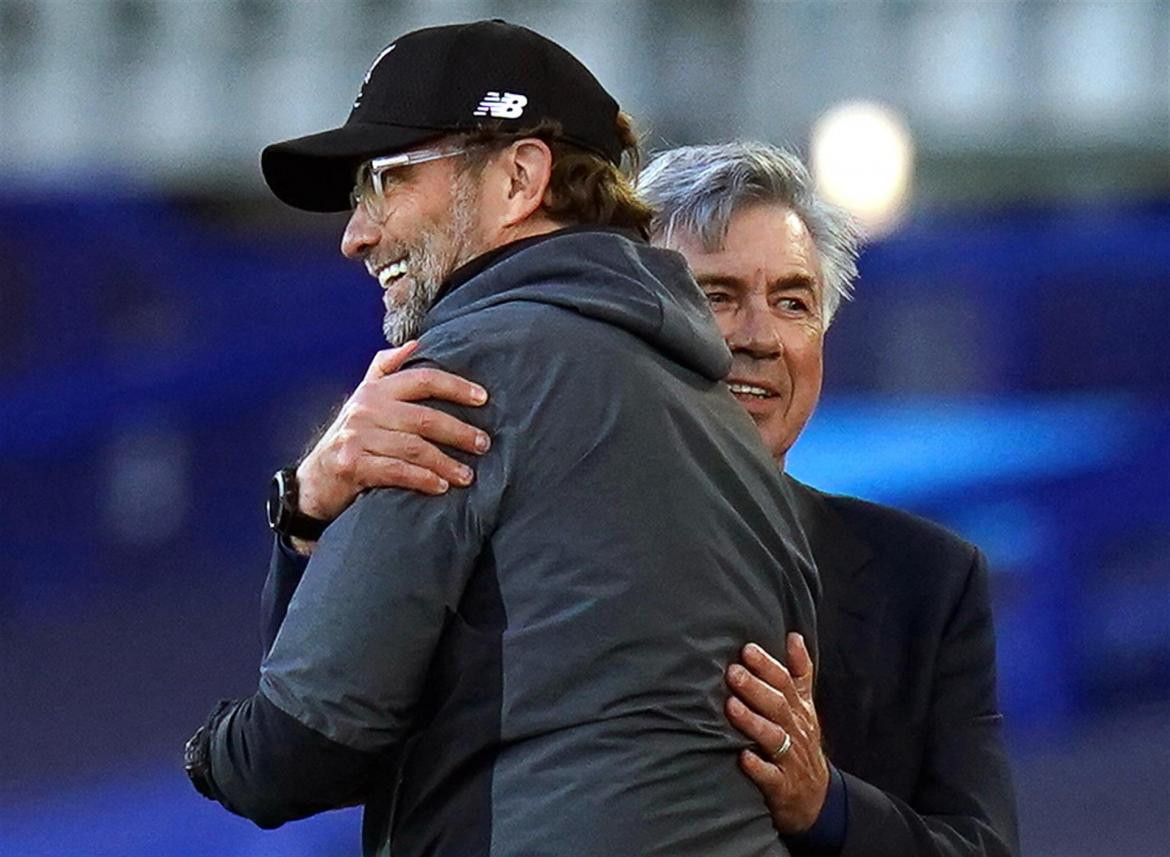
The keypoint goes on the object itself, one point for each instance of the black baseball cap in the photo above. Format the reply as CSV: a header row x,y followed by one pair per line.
x,y
442,80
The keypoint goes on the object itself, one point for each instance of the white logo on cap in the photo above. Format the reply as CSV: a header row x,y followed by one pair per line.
x,y
373,66
508,105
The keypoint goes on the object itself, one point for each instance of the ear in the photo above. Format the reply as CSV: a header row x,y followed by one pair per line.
x,y
527,166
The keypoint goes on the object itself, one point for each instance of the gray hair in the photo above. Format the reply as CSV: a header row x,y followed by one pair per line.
x,y
695,191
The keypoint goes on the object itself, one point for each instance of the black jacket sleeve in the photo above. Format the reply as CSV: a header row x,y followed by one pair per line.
x,y
964,802
285,570
252,742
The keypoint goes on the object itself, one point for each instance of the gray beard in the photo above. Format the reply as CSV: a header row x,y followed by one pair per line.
x,y
431,261
403,323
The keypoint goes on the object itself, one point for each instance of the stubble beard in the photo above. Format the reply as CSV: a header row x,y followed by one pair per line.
x,y
437,253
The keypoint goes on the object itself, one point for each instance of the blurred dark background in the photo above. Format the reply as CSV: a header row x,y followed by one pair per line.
x,y
169,336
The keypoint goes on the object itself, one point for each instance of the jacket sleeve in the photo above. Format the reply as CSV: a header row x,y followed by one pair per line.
x,y
285,570
347,664
964,803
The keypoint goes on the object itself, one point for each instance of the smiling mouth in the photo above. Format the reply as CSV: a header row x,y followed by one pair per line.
x,y
751,390
388,275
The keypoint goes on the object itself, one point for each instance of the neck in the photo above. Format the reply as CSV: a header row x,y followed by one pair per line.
x,y
526,228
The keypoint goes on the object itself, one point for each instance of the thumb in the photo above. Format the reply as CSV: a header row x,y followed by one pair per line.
x,y
390,360
800,665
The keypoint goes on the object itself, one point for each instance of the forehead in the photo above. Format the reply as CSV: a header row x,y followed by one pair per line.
x,y
764,241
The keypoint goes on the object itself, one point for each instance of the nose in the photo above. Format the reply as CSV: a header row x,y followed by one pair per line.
x,y
360,236
755,331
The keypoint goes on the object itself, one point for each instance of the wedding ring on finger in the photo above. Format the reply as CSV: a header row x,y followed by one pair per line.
x,y
779,752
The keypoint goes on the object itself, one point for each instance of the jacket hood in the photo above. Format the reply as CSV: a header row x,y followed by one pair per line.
x,y
606,275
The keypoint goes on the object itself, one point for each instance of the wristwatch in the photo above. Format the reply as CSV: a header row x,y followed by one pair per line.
x,y
197,751
195,762
284,515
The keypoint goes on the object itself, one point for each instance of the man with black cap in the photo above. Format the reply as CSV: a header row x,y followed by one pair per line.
x,y
533,665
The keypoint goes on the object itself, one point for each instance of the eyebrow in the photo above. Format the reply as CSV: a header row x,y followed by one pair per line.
x,y
801,282
717,280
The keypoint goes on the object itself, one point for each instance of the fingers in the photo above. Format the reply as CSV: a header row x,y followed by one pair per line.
x,y
390,360
763,731
770,671
760,696
766,686
435,425
382,439
770,708
424,382
413,449
767,777
800,665
396,473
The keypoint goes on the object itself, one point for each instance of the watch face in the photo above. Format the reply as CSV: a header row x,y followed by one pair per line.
x,y
277,506
192,757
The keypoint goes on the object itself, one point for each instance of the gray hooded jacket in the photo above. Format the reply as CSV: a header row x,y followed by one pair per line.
x,y
534,665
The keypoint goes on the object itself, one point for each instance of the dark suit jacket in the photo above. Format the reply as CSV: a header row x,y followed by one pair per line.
x,y
906,682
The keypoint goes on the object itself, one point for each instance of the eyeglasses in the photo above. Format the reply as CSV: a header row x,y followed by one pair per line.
x,y
369,190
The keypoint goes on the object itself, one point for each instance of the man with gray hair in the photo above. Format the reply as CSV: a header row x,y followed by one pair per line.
x,y
699,193
896,748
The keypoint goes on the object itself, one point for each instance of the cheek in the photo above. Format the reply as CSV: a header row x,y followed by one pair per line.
x,y
724,320
811,366
805,366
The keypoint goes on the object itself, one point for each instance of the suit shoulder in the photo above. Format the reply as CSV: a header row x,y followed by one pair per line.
x,y
896,532
937,573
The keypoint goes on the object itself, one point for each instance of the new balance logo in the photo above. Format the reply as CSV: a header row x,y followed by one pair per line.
x,y
507,105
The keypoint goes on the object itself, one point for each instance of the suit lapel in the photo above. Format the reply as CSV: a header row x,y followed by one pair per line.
x,y
849,619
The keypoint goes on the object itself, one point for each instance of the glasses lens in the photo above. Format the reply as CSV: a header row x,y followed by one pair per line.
x,y
364,191
363,195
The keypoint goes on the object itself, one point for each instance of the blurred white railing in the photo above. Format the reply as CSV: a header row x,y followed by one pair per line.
x,y
189,90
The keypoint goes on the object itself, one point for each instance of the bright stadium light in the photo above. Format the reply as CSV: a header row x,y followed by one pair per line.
x,y
862,158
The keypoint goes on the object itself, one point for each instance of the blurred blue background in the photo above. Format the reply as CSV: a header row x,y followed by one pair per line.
x,y
169,336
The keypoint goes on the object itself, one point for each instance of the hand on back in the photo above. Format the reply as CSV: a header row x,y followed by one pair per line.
x,y
772,705
383,438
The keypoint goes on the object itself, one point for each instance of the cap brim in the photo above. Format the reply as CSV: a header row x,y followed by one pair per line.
x,y
315,173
